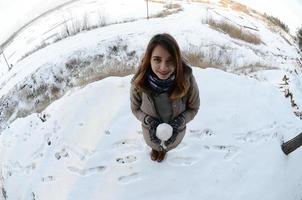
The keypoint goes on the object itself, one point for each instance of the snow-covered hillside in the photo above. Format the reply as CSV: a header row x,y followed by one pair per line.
x,y
68,132
97,53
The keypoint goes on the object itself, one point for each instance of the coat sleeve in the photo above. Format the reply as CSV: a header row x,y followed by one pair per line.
x,y
136,102
193,101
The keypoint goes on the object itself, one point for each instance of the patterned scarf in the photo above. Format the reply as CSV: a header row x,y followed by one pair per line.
x,y
158,85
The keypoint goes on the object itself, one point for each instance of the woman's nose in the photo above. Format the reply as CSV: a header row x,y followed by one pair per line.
x,y
163,66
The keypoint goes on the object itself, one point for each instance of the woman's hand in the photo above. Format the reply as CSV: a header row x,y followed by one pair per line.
x,y
178,123
153,123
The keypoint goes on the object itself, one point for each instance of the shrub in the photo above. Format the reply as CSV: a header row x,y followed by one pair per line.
x,y
172,6
75,26
299,37
101,20
201,1
214,57
277,22
251,68
234,6
195,58
233,31
47,84
37,48
169,10
157,1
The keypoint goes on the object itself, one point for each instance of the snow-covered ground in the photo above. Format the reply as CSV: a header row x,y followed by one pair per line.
x,y
91,146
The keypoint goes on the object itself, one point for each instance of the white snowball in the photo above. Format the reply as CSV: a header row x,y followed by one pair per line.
x,y
164,131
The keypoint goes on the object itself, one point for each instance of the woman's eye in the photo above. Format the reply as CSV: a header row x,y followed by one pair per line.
x,y
170,62
156,60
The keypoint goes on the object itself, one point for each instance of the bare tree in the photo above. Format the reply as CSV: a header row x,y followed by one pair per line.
x,y
292,144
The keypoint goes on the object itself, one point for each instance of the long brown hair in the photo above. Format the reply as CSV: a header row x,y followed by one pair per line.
x,y
166,41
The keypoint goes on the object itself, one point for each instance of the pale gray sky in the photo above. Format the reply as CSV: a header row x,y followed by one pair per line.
x,y
15,13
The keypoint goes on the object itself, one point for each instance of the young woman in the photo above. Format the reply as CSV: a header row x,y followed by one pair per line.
x,y
163,90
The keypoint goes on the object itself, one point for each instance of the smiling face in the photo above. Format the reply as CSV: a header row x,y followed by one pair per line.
x,y
162,63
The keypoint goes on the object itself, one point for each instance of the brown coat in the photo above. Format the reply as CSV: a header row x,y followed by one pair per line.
x,y
142,104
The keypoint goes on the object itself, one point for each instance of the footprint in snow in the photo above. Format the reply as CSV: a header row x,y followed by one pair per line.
x,y
127,159
257,136
26,136
48,179
77,150
201,133
265,133
48,139
56,127
38,153
128,143
87,171
184,161
229,151
19,168
129,178
62,153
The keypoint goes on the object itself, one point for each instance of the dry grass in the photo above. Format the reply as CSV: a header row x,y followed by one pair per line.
x,y
196,59
233,31
240,7
163,13
220,57
170,9
37,48
214,57
70,28
224,3
35,94
276,22
157,1
75,26
234,6
299,37
251,68
172,6
201,1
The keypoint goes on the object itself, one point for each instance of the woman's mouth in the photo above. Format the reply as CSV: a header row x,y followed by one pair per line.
x,y
163,73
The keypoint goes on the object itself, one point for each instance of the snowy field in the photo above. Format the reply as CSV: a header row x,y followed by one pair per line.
x,y
91,147
86,144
